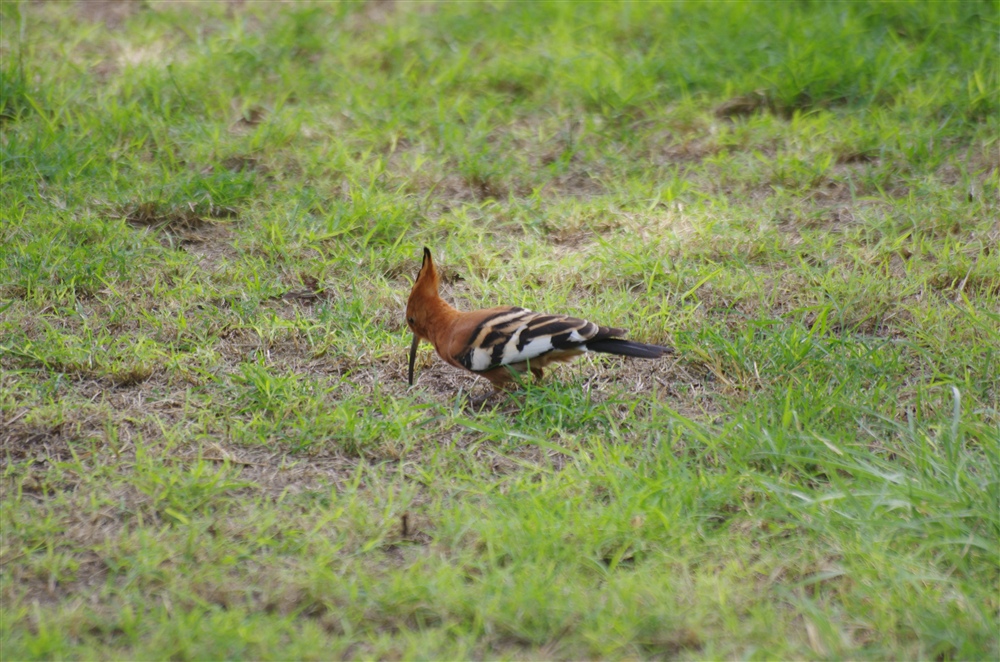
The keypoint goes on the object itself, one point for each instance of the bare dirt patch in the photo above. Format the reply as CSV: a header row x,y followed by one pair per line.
x,y
744,105
191,216
111,12
201,228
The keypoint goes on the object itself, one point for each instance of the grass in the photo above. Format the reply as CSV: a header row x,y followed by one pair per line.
x,y
211,216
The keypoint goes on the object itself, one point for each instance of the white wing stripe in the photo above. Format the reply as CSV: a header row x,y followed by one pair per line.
x,y
532,350
481,358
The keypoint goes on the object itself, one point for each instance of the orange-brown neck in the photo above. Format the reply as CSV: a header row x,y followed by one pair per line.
x,y
439,319
432,317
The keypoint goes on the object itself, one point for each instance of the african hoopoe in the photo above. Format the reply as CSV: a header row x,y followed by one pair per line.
x,y
495,342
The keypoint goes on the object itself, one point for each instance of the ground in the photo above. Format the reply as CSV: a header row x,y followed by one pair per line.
x,y
211,217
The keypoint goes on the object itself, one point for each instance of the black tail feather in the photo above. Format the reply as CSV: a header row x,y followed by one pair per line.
x,y
628,348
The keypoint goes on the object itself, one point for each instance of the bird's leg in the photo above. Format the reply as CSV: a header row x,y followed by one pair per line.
x,y
503,382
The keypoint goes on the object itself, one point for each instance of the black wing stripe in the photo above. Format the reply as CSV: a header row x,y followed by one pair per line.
x,y
496,356
556,326
562,341
486,333
550,329
541,320
500,334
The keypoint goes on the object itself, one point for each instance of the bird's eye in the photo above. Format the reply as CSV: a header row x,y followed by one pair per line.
x,y
409,320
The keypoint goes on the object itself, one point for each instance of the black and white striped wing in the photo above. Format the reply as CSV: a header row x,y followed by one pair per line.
x,y
517,335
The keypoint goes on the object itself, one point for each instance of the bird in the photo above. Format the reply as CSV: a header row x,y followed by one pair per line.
x,y
503,343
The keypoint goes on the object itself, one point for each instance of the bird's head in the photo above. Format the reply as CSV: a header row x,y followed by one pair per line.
x,y
418,307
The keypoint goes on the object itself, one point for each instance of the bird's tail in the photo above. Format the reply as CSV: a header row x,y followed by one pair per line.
x,y
628,348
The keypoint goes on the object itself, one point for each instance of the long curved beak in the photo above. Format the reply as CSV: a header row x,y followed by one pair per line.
x,y
413,356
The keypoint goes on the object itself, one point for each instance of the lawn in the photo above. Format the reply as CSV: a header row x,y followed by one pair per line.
x,y
210,218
